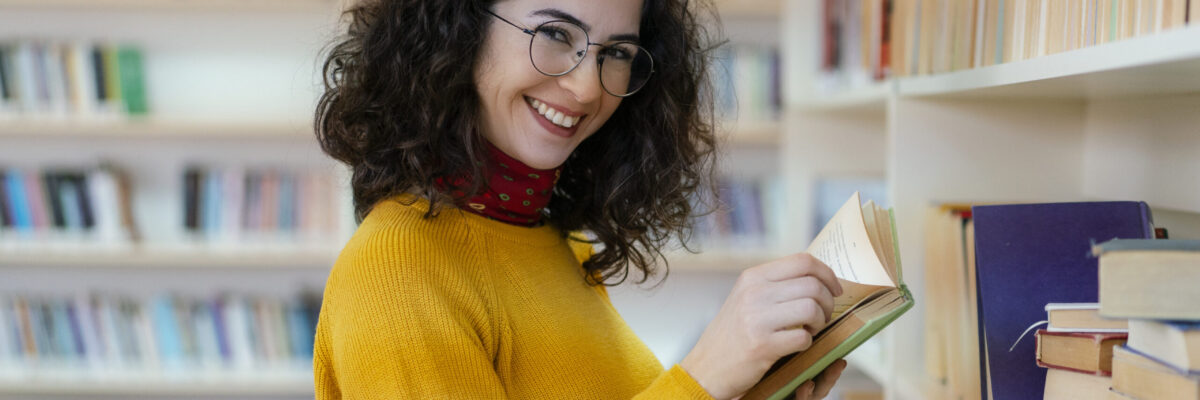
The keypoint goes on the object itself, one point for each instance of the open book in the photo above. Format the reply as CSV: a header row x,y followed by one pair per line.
x,y
859,244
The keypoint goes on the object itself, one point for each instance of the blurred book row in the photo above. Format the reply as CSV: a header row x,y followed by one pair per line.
x,y
230,204
747,83
743,217
1123,316
67,205
112,334
97,206
75,80
864,40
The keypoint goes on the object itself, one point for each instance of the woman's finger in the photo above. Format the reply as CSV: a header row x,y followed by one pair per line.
x,y
828,378
805,391
798,265
806,287
806,312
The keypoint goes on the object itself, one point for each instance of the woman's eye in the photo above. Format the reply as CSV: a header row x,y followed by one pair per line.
x,y
617,53
556,34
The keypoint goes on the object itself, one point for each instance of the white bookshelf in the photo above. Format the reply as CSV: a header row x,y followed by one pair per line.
x,y
1116,121
230,84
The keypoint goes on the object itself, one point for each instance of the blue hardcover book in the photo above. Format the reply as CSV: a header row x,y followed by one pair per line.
x,y
19,202
1028,255
166,326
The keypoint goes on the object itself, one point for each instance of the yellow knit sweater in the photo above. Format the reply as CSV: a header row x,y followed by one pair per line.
x,y
463,307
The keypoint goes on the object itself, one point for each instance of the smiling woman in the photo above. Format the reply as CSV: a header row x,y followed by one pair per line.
x,y
488,140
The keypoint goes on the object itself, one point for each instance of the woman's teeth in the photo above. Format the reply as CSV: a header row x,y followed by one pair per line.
x,y
554,116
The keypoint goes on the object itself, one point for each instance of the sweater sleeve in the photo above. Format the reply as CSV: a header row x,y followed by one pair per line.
x,y
391,331
674,383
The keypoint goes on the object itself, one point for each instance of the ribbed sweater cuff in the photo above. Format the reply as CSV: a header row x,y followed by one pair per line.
x,y
675,383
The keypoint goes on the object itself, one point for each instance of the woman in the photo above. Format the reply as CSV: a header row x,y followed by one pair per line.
x,y
479,133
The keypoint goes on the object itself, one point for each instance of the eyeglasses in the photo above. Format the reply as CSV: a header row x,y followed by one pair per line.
x,y
557,47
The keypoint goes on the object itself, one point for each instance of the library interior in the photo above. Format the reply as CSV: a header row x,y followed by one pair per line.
x,y
168,219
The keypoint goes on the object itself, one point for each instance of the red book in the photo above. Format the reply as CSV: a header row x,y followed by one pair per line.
x,y
1086,352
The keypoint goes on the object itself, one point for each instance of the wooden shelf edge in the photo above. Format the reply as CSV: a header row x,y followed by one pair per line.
x,y
867,98
1150,50
169,259
294,384
174,5
751,133
154,129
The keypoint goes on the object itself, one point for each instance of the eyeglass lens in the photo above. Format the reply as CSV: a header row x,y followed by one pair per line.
x,y
558,47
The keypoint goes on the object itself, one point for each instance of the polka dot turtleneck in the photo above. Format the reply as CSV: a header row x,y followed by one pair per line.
x,y
515,193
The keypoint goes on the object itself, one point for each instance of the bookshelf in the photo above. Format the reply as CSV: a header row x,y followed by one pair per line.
x,y
1113,121
227,88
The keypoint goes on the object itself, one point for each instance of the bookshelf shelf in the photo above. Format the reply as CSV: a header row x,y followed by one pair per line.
x,y
1114,121
764,9
1164,63
173,5
722,259
172,258
155,129
297,383
872,97
753,133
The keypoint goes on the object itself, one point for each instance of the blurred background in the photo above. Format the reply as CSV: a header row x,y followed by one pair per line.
x,y
167,221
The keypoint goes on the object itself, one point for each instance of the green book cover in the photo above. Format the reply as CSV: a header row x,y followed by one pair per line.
x,y
133,91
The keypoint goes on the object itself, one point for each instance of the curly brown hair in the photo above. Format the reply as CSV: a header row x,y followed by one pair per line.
x,y
400,108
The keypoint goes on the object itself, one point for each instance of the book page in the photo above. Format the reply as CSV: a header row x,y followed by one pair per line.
x,y
845,246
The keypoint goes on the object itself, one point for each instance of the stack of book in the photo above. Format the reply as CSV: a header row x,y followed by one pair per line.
x,y
1077,350
233,205
874,39
991,271
66,206
47,79
105,333
1154,283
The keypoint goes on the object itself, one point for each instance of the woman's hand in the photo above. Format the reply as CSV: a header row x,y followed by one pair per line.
x,y
818,388
753,328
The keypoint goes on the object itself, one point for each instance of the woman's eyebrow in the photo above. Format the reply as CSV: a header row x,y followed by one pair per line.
x,y
563,15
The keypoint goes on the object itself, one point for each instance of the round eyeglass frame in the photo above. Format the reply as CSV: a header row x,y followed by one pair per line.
x,y
587,47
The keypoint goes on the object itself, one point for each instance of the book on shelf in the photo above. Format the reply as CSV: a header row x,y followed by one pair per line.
x,y
1030,255
232,203
860,245
1081,317
101,333
63,80
747,214
1150,278
1084,352
951,328
747,82
1174,343
924,37
855,42
67,205
1063,384
1142,377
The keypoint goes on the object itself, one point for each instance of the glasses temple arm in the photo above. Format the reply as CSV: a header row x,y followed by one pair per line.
x,y
527,31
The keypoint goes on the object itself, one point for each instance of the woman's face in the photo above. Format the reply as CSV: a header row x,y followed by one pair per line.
x,y
509,85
